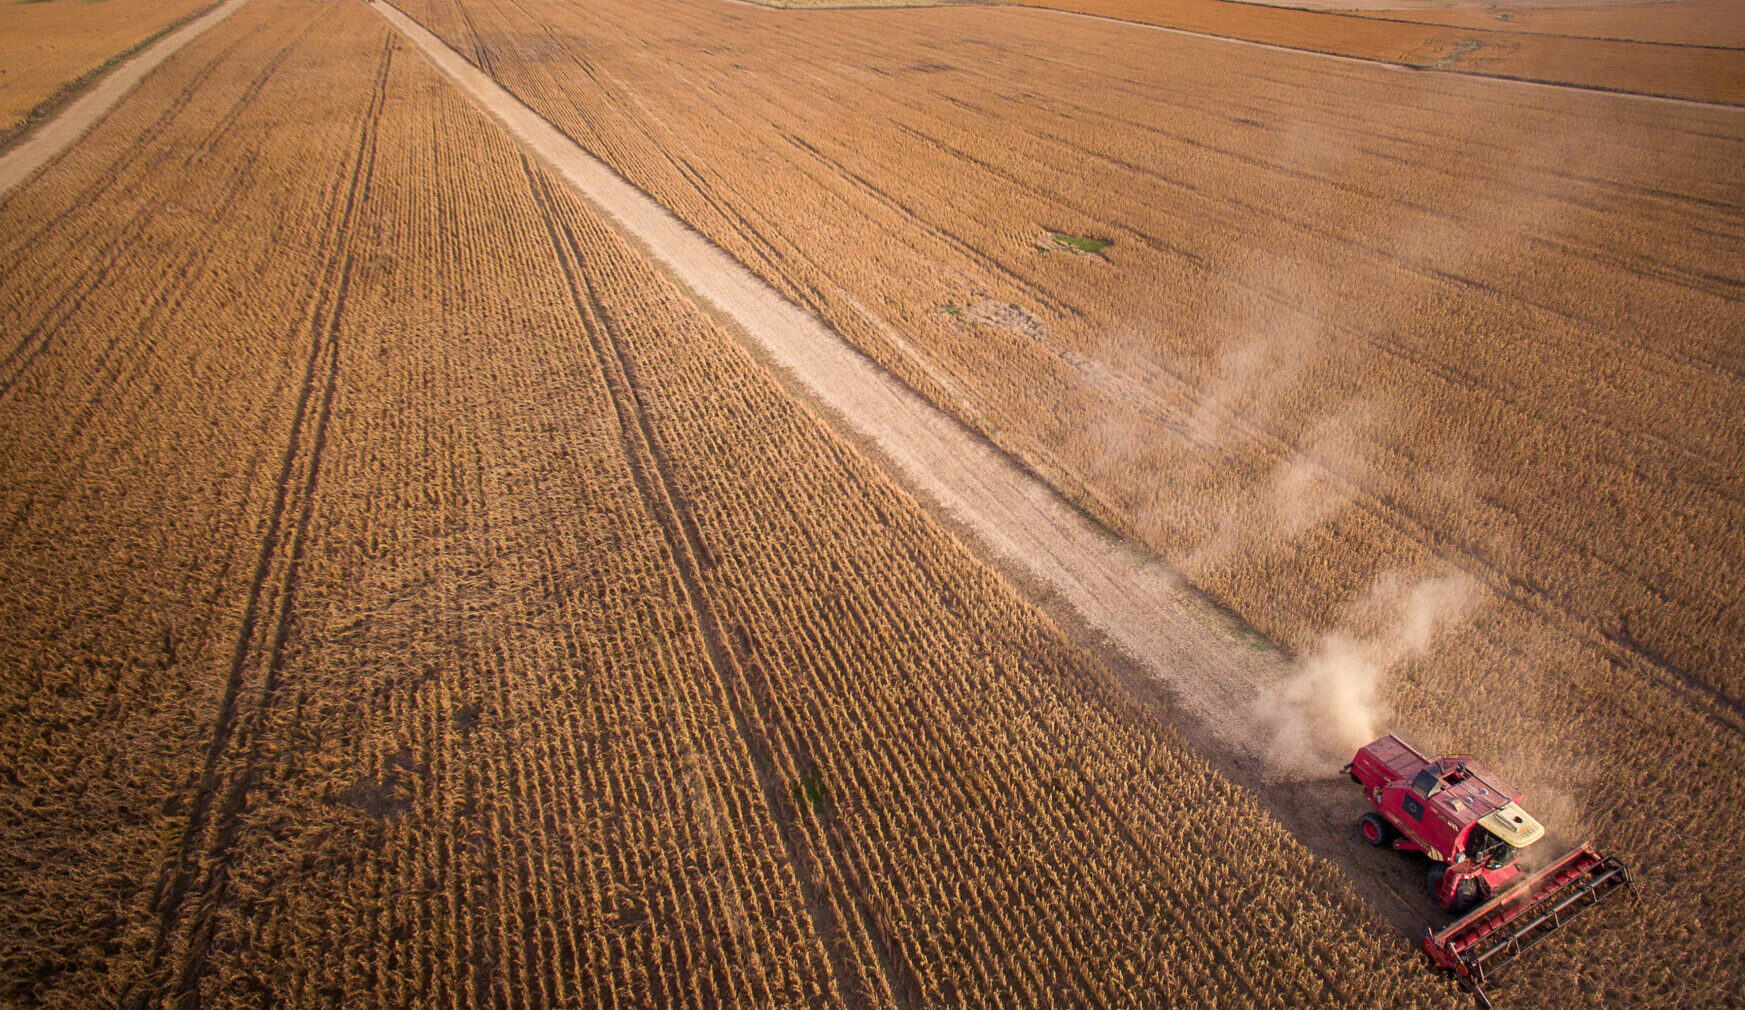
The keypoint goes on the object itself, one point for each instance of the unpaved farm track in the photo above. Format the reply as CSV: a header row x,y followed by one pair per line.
x,y
1136,602
71,123
1244,182
462,618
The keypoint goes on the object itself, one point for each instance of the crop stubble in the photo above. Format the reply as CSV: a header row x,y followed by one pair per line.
x,y
1706,71
1711,23
49,46
412,600
1354,321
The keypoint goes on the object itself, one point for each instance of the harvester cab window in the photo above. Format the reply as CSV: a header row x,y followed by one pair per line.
x,y
1487,848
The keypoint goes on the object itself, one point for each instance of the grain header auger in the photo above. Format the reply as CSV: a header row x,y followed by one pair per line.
x,y
1471,825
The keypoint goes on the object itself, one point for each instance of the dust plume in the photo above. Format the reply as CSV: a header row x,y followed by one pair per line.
x,y
1311,486
1315,483
1330,704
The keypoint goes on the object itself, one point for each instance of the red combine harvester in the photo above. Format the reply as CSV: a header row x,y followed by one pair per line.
x,y
1471,825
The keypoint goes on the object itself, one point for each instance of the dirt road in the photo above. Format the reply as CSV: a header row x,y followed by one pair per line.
x,y
40,147
1138,604
1200,666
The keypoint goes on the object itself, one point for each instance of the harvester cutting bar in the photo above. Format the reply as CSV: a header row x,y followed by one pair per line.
x,y
1502,929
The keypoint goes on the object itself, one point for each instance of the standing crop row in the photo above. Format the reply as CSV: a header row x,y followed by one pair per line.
x,y
1349,324
449,614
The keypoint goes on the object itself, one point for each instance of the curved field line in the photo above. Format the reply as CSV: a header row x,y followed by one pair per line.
x,y
1136,602
1281,47
57,134
1400,65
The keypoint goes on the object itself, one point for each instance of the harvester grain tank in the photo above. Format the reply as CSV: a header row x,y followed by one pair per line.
x,y
1471,825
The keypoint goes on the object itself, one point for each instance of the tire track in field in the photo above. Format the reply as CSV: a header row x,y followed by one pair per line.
x,y
482,57
295,489
39,335
653,476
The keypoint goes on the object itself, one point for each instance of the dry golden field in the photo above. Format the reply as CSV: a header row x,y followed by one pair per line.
x,y
1709,23
1614,55
1357,326
412,600
49,46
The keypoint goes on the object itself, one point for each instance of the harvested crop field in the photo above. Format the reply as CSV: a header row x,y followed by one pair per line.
x,y
48,47
463,619
1710,71
413,596
1350,338
1708,23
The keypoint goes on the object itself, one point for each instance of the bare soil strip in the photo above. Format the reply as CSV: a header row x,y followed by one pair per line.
x,y
68,76
1141,607
41,147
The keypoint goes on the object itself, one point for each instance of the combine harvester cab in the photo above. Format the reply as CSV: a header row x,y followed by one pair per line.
x,y
1471,825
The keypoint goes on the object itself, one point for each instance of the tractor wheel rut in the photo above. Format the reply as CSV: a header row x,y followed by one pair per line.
x,y
654,478
194,881
1163,627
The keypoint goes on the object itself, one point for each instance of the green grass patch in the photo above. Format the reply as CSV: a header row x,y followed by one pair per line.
x,y
1084,245
809,793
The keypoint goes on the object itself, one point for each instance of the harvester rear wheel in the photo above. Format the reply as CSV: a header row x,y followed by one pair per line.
x,y
1376,830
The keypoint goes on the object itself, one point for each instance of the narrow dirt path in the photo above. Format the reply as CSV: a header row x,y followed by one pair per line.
x,y
1195,663
1137,604
54,136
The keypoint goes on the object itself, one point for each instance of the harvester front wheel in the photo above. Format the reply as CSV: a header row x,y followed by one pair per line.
x,y
1465,894
1376,830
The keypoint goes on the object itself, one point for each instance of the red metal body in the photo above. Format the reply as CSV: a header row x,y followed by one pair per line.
x,y
1435,806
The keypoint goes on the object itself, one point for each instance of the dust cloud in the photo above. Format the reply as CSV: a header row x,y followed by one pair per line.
x,y
1272,453
1330,704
